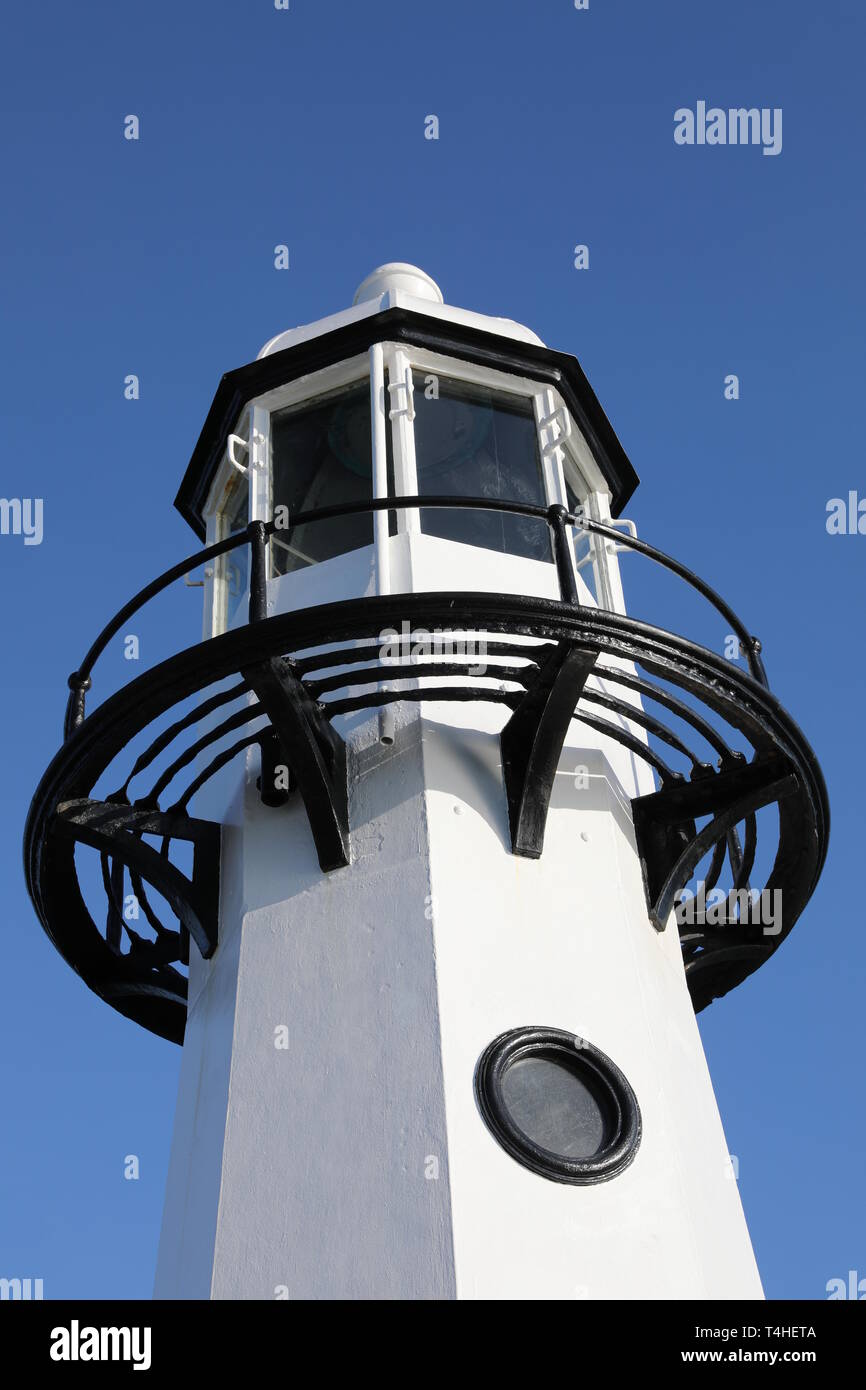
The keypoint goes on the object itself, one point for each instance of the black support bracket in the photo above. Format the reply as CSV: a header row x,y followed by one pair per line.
x,y
115,829
532,742
669,844
313,750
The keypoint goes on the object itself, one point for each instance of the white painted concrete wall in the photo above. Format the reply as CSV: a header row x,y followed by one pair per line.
x,y
565,942
322,1147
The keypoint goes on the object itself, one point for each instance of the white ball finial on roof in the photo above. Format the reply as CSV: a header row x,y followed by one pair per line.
x,y
397,275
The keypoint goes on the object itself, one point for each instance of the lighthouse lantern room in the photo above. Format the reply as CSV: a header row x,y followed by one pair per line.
x,y
428,852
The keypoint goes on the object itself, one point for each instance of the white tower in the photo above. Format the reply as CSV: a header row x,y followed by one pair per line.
x,y
439,1032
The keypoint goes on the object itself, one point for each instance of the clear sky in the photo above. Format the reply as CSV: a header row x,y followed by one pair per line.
x,y
156,257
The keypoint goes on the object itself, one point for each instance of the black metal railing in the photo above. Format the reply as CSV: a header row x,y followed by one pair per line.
x,y
257,536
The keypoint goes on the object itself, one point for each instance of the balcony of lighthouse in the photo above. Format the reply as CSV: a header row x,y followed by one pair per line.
x,y
412,527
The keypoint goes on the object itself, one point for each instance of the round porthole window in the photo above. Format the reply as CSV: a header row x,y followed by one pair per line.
x,y
558,1105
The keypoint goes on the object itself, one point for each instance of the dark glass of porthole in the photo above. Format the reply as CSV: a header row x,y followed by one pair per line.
x,y
558,1105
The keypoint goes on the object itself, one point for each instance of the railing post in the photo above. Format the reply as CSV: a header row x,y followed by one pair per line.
x,y
258,536
756,662
78,686
567,583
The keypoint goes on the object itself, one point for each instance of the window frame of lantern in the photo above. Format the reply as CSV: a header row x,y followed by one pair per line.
x,y
577,463
400,358
568,457
576,467
304,390
228,477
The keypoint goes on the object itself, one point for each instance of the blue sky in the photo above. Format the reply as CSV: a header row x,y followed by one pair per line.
x,y
155,257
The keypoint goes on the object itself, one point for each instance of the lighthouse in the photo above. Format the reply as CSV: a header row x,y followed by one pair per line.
x,y
429,851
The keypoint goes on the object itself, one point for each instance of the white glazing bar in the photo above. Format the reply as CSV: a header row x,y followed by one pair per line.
x,y
552,462
378,408
260,481
382,539
401,412
210,619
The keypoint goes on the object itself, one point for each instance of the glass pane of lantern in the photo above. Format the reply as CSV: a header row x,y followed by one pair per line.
x,y
236,564
321,456
556,1106
471,441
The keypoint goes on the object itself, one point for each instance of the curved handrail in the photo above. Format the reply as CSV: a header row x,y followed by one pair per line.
x,y
749,643
257,533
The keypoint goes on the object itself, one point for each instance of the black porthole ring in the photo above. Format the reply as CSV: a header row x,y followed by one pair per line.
x,y
583,1058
